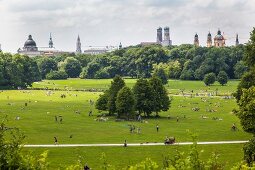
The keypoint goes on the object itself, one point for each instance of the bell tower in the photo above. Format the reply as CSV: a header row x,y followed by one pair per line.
x,y
196,40
209,40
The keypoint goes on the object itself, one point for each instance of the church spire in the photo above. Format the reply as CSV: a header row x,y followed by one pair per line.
x,y
78,45
196,41
50,42
237,40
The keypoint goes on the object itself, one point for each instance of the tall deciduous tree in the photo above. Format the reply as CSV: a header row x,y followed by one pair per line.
x,y
144,97
117,84
102,101
125,103
245,96
161,99
247,81
249,56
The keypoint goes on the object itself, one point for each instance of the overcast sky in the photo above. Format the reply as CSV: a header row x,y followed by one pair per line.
x,y
108,22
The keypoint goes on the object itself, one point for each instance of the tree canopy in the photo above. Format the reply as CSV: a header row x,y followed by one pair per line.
x,y
209,79
18,71
125,103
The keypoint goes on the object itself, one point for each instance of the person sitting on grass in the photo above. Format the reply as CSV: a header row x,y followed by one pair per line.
x,y
86,167
234,128
55,140
167,140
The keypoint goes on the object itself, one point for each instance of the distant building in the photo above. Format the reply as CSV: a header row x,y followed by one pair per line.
x,y
237,40
148,43
159,40
219,40
166,41
196,40
120,46
96,50
50,42
159,35
209,40
30,49
78,45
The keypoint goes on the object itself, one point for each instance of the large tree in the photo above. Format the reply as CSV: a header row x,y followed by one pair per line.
x,y
47,65
101,103
246,115
245,96
161,99
249,56
18,71
125,103
117,84
72,67
248,79
144,97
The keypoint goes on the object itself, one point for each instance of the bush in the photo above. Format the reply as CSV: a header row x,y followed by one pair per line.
x,y
56,75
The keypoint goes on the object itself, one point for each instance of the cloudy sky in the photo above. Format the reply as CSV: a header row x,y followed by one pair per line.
x,y
108,22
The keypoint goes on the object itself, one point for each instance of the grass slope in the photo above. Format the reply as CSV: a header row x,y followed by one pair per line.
x,y
37,121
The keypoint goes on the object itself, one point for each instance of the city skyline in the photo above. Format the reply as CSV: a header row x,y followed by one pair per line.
x,y
101,23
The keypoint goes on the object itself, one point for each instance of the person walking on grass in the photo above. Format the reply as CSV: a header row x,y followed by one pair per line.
x,y
157,127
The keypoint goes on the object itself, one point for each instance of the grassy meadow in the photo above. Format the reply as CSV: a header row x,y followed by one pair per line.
x,y
34,111
173,86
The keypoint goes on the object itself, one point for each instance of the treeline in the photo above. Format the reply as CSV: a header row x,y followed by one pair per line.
x,y
17,71
185,62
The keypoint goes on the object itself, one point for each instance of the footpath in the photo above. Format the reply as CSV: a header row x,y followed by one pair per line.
x,y
131,144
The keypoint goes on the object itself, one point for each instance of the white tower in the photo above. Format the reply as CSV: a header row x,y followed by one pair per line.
x,y
78,45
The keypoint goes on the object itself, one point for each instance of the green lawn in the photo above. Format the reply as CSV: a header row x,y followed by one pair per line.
x,y
174,86
120,157
37,121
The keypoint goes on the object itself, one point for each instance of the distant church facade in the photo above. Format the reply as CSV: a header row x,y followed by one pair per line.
x,y
218,41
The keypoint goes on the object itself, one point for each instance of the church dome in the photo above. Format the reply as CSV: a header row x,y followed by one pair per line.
x,y
30,42
219,36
